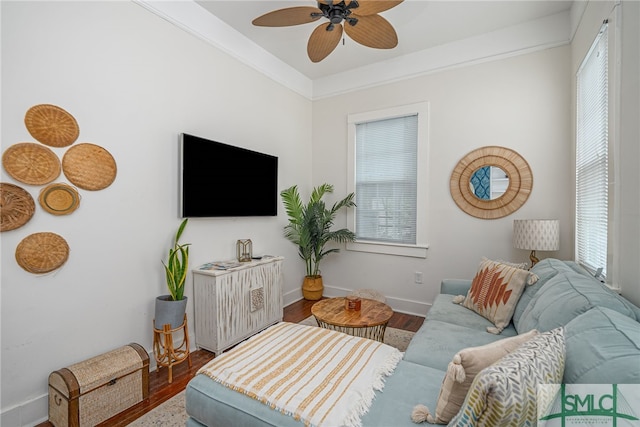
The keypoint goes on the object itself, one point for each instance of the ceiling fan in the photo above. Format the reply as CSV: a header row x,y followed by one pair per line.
x,y
362,24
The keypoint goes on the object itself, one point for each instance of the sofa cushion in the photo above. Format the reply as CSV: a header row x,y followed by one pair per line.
x,y
494,292
464,367
504,394
444,310
544,270
603,347
455,286
447,329
212,404
409,384
565,296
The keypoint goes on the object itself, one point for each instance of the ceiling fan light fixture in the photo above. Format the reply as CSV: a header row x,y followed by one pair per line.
x,y
336,16
374,31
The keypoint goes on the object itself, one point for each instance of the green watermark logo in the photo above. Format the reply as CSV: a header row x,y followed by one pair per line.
x,y
561,405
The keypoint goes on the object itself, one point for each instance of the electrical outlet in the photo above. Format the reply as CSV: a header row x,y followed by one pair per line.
x,y
418,277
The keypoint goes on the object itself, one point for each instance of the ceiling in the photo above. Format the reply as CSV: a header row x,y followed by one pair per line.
x,y
420,24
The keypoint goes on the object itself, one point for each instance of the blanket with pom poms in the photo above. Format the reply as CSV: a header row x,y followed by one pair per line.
x,y
319,376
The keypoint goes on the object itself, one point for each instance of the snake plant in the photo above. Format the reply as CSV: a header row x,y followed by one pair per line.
x,y
177,265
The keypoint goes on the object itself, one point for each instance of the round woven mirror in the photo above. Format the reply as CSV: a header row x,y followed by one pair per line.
x,y
516,171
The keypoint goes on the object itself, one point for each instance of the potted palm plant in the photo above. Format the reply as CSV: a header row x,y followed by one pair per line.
x,y
170,308
310,228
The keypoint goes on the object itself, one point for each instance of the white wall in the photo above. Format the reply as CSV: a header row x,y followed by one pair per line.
x,y
133,82
521,103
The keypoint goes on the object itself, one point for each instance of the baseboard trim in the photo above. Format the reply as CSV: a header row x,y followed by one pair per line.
x,y
29,413
35,411
401,305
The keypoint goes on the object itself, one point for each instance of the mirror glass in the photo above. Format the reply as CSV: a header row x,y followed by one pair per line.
x,y
488,182
507,182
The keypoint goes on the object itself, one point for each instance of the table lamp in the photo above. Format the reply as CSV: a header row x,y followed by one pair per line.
x,y
536,235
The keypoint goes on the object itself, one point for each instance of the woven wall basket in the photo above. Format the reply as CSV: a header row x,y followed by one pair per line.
x,y
51,125
31,163
41,253
16,206
89,166
59,199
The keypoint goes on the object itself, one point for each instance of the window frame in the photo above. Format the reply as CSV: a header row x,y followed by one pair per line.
x,y
597,142
610,276
419,249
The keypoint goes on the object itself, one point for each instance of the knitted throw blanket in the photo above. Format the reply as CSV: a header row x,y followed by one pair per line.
x,y
318,376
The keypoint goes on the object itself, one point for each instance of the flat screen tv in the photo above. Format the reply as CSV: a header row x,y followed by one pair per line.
x,y
221,180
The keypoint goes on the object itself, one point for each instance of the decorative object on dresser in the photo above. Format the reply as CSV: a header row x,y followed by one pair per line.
x,y
170,309
310,228
92,391
244,250
536,235
233,301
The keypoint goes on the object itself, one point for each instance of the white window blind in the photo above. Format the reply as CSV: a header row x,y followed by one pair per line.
x,y
386,180
592,140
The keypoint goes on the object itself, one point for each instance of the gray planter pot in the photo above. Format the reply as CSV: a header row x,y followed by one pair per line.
x,y
169,312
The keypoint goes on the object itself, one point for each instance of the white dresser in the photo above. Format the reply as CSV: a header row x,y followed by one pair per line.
x,y
234,303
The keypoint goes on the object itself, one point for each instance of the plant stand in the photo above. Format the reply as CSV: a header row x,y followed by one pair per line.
x,y
165,352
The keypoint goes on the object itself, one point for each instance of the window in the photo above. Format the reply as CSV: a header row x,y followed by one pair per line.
x,y
592,159
387,173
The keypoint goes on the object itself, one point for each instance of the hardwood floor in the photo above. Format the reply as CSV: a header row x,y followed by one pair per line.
x,y
160,390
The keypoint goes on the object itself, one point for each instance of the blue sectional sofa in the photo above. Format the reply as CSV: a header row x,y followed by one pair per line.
x,y
601,333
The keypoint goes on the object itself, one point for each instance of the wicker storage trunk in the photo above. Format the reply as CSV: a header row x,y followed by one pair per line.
x,y
92,391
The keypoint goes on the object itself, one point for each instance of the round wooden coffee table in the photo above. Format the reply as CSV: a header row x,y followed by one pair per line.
x,y
369,322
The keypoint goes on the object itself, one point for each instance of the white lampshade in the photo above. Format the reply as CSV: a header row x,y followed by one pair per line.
x,y
536,234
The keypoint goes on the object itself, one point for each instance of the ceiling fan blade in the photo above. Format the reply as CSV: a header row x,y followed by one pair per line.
x,y
373,31
322,42
371,7
288,16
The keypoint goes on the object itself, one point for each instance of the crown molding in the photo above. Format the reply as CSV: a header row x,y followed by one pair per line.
x,y
540,34
194,19
544,33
